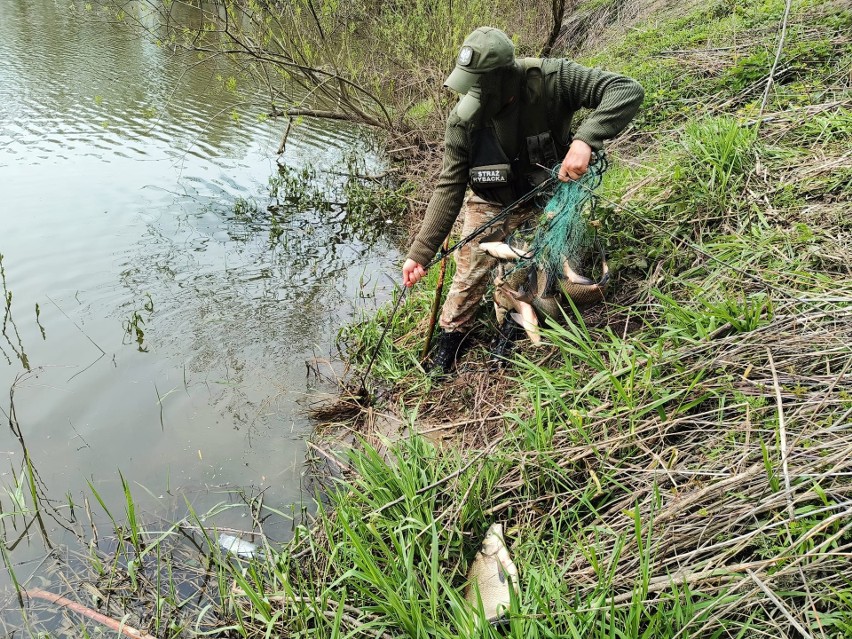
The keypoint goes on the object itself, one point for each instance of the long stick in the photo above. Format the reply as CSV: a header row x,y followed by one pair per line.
x,y
436,303
782,435
109,622
363,390
443,253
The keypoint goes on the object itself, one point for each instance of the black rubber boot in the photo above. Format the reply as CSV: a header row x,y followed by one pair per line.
x,y
504,343
448,348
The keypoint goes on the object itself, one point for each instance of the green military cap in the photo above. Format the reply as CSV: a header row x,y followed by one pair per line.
x,y
483,50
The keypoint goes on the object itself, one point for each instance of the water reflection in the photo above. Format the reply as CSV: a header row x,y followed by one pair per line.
x,y
155,328
9,325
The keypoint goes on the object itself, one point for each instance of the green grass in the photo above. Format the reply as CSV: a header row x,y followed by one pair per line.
x,y
615,434
661,463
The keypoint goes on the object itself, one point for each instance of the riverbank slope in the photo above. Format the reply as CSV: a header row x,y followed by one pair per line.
x,y
675,463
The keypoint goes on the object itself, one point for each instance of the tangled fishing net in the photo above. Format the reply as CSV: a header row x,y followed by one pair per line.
x,y
562,232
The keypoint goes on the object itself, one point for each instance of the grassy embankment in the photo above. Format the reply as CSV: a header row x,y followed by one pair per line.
x,y
678,463
675,464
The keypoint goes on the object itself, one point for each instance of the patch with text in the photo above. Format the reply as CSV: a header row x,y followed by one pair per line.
x,y
489,175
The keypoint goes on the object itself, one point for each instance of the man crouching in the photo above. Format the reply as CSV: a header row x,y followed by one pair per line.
x,y
514,117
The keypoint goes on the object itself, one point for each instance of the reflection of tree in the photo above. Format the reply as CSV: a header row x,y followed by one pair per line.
x,y
111,76
238,299
9,322
273,45
299,269
29,495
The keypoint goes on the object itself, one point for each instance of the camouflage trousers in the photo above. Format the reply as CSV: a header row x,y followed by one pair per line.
x,y
473,265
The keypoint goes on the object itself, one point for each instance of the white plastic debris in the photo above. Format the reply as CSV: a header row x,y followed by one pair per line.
x,y
238,547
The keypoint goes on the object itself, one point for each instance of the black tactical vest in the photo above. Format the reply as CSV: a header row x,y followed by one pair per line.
x,y
544,141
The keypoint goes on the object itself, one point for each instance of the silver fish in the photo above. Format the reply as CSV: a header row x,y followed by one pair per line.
x,y
503,251
527,306
491,576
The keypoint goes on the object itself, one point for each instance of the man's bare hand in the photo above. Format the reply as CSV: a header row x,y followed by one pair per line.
x,y
576,161
412,272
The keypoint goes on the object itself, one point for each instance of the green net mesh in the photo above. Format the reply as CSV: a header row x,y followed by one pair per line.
x,y
562,231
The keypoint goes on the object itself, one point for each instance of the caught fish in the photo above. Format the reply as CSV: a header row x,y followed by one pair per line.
x,y
239,547
491,576
575,278
525,291
526,318
503,251
582,290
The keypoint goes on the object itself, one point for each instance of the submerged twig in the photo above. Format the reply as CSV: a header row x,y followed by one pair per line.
x,y
94,615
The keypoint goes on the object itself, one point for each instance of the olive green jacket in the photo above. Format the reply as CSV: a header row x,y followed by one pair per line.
x,y
569,87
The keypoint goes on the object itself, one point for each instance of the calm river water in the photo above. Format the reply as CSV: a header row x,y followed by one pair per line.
x,y
120,173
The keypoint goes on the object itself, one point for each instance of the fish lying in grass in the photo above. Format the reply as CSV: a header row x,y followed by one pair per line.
x,y
526,292
491,576
239,547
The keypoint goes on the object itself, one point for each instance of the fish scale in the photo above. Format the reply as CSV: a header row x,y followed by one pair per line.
x,y
491,576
